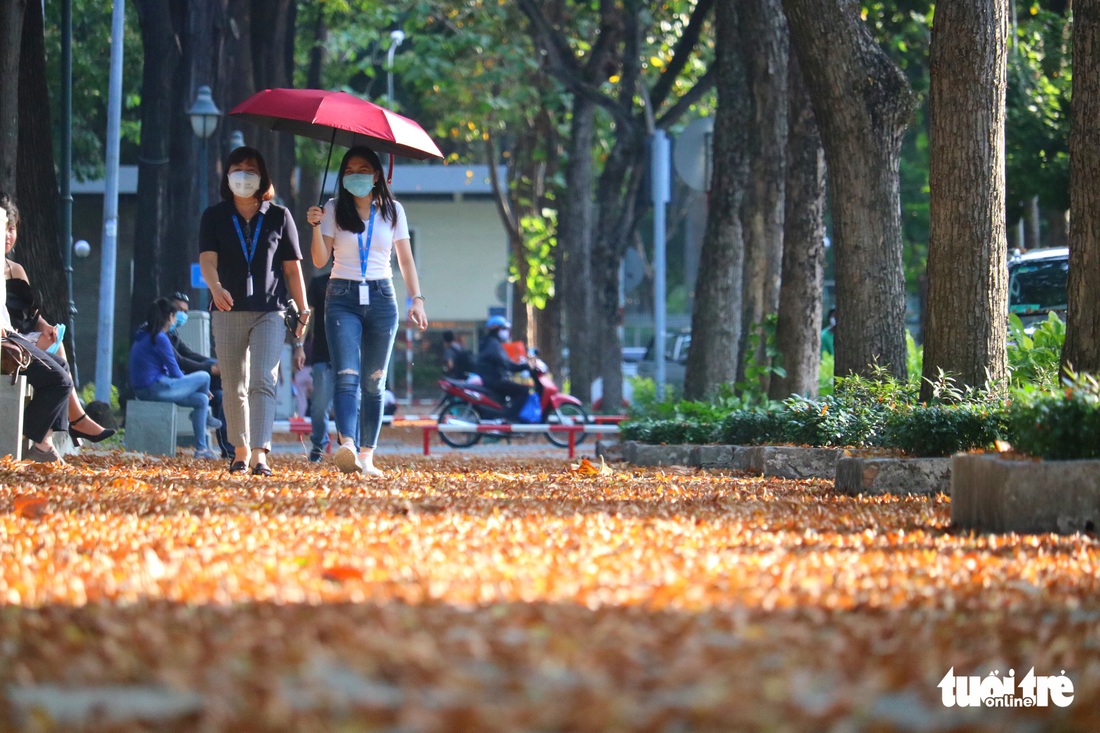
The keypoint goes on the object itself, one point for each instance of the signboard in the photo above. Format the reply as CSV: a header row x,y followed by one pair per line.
x,y
196,277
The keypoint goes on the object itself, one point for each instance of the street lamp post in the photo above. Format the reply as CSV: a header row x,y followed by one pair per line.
x,y
204,116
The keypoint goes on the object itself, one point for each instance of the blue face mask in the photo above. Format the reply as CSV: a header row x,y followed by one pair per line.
x,y
181,318
359,184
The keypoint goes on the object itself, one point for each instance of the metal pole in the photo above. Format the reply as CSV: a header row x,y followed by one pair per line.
x,y
659,178
67,172
106,341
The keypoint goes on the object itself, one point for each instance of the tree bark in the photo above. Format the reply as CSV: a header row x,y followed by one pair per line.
x,y
11,34
862,103
159,105
309,177
798,334
1033,238
36,178
967,249
765,39
1082,347
716,315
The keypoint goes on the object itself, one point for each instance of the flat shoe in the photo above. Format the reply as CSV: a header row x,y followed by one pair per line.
x,y
42,456
261,469
238,467
347,460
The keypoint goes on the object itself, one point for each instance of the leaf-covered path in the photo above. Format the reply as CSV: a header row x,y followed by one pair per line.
x,y
459,594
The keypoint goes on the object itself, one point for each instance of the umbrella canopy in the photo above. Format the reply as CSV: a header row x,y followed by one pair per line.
x,y
337,118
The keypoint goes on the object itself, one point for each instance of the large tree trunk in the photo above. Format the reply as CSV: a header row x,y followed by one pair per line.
x,y
716,315
1082,347
36,179
309,176
575,242
798,333
967,273
273,25
764,38
862,103
158,108
11,33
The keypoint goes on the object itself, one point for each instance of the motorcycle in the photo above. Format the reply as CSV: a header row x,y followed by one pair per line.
x,y
466,402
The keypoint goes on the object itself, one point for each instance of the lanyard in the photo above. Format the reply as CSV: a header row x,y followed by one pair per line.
x,y
248,255
364,253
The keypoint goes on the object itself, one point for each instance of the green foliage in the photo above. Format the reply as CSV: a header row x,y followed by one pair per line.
x,y
87,394
761,337
539,241
825,375
941,430
1058,425
1034,359
751,427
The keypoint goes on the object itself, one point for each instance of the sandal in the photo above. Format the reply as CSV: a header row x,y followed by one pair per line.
x,y
261,469
238,467
77,434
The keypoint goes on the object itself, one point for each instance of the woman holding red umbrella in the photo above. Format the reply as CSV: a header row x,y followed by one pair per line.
x,y
251,261
361,229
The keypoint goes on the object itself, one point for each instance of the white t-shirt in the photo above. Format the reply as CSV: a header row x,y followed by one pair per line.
x,y
345,245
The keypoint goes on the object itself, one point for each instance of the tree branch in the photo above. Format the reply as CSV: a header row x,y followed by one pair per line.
x,y
693,95
681,52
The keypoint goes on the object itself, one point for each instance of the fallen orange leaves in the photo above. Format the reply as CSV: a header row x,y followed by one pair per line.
x,y
572,597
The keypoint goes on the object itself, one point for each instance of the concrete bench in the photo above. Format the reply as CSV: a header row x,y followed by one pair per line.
x,y
156,427
13,402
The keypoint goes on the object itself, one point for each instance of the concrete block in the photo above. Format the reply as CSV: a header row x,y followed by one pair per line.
x,y
151,427
794,462
925,476
609,450
712,456
630,450
994,494
13,400
663,455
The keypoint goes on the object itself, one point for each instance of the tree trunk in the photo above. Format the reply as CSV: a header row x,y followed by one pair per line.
x,y
1082,347
764,38
575,244
309,176
36,178
11,33
1058,221
716,315
798,334
272,29
1033,238
158,107
967,249
862,103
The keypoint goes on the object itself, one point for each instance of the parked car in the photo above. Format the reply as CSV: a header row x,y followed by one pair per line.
x,y
1037,284
677,344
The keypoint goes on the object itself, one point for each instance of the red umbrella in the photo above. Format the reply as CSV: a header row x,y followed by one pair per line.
x,y
338,117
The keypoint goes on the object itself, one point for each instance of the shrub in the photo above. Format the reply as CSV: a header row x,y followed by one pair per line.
x,y
751,427
670,431
1033,359
1057,425
831,421
941,430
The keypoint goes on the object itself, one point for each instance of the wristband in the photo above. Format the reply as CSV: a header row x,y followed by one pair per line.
x,y
421,297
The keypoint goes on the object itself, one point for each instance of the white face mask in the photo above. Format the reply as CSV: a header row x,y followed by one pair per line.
x,y
244,183
504,334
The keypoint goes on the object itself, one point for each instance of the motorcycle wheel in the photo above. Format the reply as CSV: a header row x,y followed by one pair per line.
x,y
458,411
567,414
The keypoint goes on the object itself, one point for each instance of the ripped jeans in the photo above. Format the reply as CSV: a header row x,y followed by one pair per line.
x,y
360,342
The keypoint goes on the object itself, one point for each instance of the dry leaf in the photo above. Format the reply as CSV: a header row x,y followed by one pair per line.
x,y
584,468
341,573
30,506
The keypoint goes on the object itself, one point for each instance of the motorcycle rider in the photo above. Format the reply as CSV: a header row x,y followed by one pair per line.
x,y
495,367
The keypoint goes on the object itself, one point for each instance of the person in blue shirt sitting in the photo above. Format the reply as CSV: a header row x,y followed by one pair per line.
x,y
156,376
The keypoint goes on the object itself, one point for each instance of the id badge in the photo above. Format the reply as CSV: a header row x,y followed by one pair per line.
x,y
364,294
248,286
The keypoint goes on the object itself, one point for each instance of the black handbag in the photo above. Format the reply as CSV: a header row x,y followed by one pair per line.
x,y
291,318
15,358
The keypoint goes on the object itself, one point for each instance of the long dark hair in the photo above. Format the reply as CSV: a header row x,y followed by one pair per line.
x,y
157,317
265,192
347,218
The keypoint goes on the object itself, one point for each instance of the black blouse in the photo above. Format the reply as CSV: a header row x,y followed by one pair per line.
x,y
278,243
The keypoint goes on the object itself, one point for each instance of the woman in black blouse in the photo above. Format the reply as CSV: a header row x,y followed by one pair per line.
x,y
250,259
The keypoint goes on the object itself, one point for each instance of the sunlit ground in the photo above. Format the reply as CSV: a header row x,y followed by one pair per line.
x,y
491,595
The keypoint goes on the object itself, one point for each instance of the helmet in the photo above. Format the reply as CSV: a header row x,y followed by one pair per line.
x,y
497,322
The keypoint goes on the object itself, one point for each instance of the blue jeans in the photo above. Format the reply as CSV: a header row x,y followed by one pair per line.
x,y
190,390
318,407
360,340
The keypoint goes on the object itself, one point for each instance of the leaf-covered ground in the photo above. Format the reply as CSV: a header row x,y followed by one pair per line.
x,y
463,594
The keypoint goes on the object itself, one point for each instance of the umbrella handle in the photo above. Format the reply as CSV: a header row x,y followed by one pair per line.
x,y
324,178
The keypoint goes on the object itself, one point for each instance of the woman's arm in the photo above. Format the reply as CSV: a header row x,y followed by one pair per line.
x,y
208,263
320,246
407,264
167,355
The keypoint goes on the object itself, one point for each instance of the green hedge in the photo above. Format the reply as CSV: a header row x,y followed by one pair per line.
x,y
1058,425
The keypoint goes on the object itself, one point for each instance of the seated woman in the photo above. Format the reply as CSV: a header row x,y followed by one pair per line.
x,y
156,376
50,379
27,321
